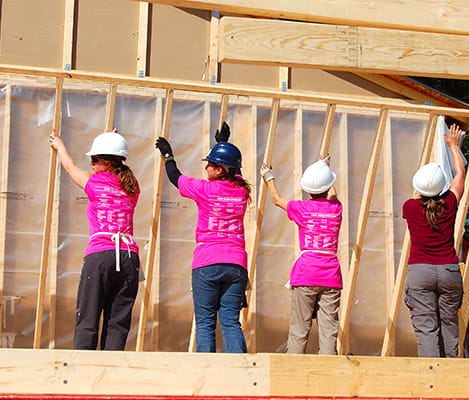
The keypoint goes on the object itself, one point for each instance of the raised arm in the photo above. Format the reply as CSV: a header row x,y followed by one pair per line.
x,y
457,185
170,164
269,178
78,175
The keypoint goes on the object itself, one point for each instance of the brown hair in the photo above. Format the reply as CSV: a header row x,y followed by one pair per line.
x,y
234,175
127,178
433,208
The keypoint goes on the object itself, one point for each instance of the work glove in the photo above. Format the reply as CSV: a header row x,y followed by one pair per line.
x,y
163,145
223,134
267,173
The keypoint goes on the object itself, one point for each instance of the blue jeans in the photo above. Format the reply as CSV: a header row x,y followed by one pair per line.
x,y
219,288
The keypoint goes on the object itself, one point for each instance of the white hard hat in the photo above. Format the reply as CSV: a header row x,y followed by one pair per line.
x,y
110,143
429,180
317,178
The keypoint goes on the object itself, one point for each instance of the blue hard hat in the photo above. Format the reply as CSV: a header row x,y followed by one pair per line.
x,y
226,154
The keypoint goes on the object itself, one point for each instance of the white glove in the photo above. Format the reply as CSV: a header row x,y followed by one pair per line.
x,y
267,173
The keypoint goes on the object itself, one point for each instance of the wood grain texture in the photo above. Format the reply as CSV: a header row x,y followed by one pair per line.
x,y
237,90
258,375
426,15
344,48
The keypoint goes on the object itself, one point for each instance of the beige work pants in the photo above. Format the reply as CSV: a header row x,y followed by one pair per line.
x,y
305,300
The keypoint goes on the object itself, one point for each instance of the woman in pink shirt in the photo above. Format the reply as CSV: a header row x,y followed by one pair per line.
x,y
434,284
219,266
109,277
315,279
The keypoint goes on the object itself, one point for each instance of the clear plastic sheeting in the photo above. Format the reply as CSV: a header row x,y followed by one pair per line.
x,y
138,116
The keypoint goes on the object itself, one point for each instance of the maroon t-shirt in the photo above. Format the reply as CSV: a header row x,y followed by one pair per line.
x,y
428,246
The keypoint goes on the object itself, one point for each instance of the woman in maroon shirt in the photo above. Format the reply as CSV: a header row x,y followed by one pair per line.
x,y
434,284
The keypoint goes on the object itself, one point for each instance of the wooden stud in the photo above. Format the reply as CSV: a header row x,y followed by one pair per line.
x,y
223,111
298,163
342,48
361,102
327,130
111,106
154,226
425,16
249,145
298,168
388,216
212,76
342,192
391,319
205,150
349,288
461,215
283,78
463,313
154,311
248,314
4,196
67,54
47,219
142,44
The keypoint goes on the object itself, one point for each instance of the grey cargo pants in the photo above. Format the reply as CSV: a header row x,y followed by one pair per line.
x,y
433,296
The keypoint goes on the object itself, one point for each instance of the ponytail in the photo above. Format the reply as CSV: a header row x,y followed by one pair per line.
x,y
127,179
433,208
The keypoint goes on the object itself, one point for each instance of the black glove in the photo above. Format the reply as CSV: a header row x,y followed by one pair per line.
x,y
224,134
163,145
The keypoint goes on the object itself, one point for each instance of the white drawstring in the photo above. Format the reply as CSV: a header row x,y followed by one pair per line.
x,y
117,237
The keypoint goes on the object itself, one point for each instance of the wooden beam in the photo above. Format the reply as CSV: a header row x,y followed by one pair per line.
x,y
349,288
392,84
238,90
427,15
4,196
154,226
388,217
142,44
47,220
223,113
463,313
298,169
212,75
96,374
343,195
154,310
327,130
111,107
391,320
342,48
248,315
283,78
461,215
67,52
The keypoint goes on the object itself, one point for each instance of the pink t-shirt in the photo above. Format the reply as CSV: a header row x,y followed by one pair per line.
x,y
318,223
220,229
109,209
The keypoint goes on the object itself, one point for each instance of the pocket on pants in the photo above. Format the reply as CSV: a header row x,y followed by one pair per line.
x,y
209,271
408,299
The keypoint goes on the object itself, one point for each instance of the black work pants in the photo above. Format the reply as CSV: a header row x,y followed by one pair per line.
x,y
104,290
